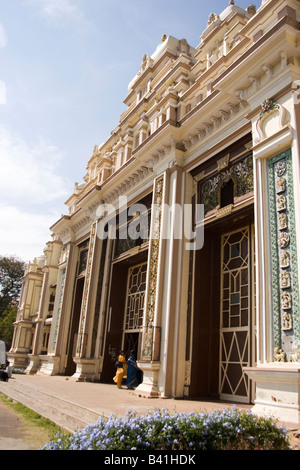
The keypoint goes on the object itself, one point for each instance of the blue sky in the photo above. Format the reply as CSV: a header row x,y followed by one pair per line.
x,y
64,70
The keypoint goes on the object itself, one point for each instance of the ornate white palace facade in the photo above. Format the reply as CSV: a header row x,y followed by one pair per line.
x,y
183,240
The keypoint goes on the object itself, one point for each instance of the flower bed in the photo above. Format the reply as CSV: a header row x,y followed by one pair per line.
x,y
221,430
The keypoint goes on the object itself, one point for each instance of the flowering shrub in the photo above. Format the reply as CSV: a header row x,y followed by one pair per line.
x,y
220,430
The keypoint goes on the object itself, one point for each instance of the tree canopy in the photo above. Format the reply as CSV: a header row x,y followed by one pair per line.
x,y
11,273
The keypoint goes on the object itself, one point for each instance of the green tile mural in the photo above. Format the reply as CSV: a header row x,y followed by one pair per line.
x,y
285,293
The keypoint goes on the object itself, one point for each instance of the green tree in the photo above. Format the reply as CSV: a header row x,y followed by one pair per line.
x,y
11,273
7,323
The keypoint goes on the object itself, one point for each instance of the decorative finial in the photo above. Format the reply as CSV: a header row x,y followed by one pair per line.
x,y
231,2
163,38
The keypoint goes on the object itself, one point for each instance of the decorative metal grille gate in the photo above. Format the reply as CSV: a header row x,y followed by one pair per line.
x,y
135,297
235,321
134,310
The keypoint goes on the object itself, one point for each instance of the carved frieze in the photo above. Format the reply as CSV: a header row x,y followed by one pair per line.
x,y
284,259
280,185
241,173
187,375
282,222
295,355
154,247
281,203
284,272
285,279
286,301
223,162
154,252
283,240
280,169
279,355
86,288
57,314
287,321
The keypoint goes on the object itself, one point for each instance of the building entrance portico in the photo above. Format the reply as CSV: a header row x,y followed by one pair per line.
x,y
211,130
76,308
223,340
134,310
236,342
73,332
131,343
125,312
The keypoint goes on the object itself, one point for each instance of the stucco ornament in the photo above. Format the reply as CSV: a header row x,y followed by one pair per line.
x,y
268,109
279,355
268,105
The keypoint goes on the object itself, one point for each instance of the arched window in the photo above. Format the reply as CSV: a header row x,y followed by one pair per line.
x,y
227,193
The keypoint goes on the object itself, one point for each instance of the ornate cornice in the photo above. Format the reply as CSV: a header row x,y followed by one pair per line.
x,y
137,177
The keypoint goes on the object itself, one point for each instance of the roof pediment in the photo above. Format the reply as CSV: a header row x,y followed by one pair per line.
x,y
169,46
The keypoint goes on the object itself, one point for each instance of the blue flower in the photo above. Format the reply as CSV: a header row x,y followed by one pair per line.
x,y
160,430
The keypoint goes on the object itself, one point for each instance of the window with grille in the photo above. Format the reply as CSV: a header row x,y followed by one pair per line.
x,y
136,288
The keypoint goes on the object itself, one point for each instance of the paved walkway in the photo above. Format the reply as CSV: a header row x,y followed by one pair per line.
x,y
12,434
107,399
103,399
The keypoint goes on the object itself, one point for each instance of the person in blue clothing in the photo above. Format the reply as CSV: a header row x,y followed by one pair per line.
x,y
132,372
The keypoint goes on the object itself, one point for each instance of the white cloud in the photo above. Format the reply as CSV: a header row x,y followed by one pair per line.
x,y
3,43
60,11
3,36
2,92
32,193
29,172
22,233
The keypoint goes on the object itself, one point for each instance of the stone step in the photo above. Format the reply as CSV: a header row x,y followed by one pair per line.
x,y
69,416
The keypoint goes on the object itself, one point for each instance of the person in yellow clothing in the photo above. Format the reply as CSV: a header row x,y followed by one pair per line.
x,y
121,369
